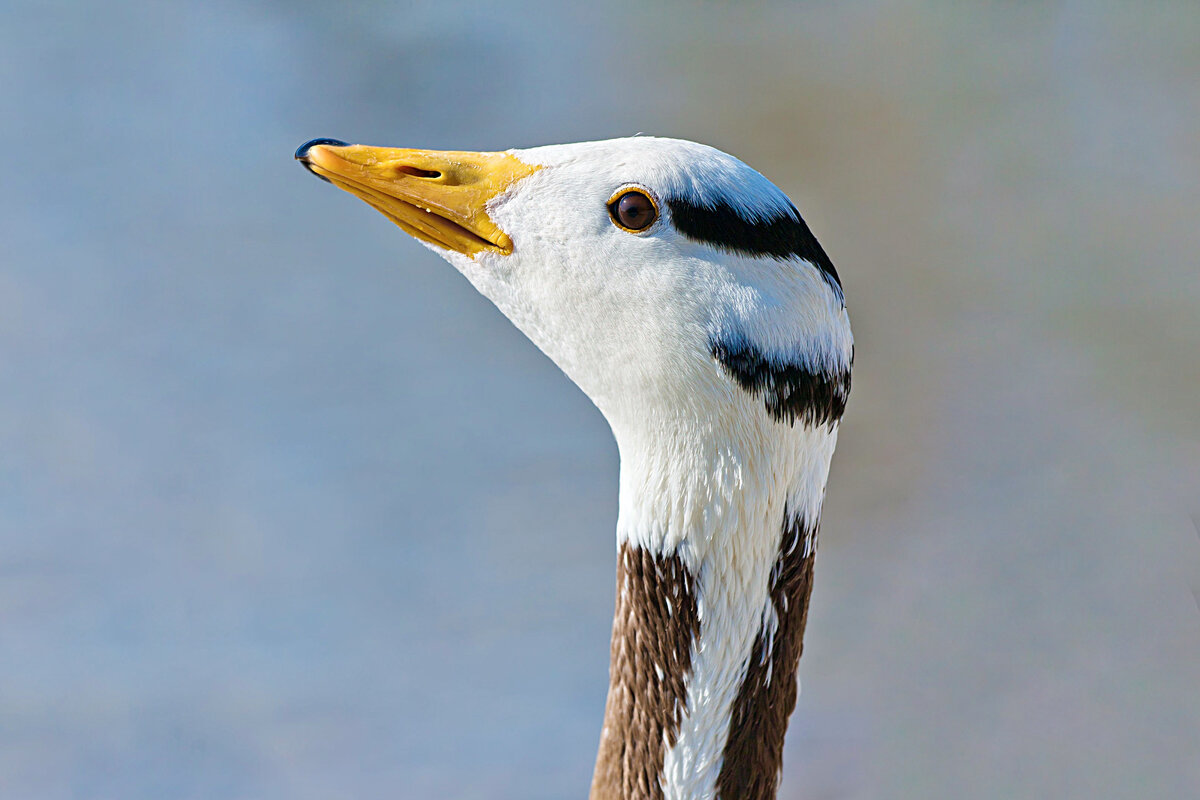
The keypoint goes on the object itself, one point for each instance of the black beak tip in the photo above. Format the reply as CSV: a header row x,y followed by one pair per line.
x,y
302,153
302,150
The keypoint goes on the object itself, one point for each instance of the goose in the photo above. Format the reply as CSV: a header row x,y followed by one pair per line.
x,y
686,296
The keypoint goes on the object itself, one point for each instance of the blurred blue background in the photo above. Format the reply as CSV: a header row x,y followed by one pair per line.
x,y
288,511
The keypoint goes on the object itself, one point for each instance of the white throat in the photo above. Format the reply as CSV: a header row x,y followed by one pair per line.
x,y
723,499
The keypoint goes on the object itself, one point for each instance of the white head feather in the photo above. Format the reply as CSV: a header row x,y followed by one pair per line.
x,y
630,316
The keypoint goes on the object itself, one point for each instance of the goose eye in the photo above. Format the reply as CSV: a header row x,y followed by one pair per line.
x,y
633,210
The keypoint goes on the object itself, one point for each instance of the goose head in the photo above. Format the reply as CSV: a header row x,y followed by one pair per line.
x,y
635,264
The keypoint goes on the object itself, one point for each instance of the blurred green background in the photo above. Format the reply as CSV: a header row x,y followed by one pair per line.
x,y
288,511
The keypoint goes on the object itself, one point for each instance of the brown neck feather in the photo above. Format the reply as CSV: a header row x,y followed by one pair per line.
x,y
759,719
654,626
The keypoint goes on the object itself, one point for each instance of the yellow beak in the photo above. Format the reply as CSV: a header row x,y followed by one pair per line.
x,y
439,197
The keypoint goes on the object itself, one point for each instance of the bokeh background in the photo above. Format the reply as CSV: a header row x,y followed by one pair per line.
x,y
288,511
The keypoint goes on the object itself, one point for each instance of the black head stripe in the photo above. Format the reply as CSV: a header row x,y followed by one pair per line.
x,y
791,391
723,226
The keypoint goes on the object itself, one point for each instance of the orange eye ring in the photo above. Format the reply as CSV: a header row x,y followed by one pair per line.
x,y
633,210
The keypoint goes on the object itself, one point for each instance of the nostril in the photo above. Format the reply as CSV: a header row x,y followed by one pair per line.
x,y
302,150
417,172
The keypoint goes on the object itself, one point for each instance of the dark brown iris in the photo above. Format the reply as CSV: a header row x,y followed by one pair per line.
x,y
633,211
